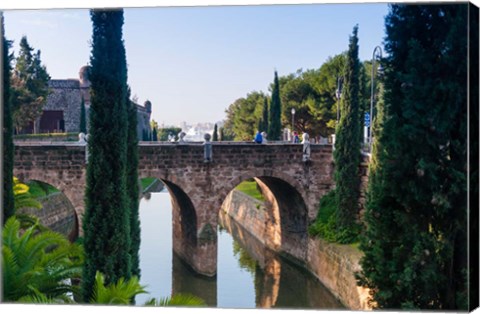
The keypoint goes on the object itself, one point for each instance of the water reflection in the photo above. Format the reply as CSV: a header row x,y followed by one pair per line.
x,y
248,274
185,280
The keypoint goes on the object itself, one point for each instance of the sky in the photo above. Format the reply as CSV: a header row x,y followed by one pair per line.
x,y
193,62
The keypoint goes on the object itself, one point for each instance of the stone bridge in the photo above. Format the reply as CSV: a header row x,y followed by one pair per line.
x,y
292,187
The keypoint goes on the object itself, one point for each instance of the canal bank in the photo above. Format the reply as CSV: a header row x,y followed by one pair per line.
x,y
333,265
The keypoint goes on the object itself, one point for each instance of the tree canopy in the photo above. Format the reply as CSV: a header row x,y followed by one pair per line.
x,y
29,86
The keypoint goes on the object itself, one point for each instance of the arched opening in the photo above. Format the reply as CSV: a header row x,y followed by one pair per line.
x,y
57,212
263,221
168,224
289,213
282,224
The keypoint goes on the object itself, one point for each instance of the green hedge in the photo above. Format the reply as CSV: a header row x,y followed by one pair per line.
x,y
71,136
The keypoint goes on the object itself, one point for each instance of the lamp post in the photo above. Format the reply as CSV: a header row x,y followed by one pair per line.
x,y
293,119
377,52
338,95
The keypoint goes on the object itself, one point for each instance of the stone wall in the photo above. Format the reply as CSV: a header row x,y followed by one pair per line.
x,y
60,165
65,96
334,265
250,213
57,214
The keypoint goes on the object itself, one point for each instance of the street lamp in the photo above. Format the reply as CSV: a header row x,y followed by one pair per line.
x,y
338,95
377,53
293,119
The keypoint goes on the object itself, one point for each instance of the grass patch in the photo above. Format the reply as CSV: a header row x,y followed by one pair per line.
x,y
251,189
39,189
325,225
145,182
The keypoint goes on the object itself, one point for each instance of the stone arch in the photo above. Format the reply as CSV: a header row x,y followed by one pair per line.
x,y
286,225
59,212
184,219
187,217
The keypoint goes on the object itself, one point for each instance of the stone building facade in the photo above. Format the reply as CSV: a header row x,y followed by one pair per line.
x,y
61,112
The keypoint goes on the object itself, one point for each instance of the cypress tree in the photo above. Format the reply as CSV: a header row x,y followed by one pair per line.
x,y
8,148
83,117
274,122
263,123
222,135
107,212
215,133
133,187
347,145
415,242
154,135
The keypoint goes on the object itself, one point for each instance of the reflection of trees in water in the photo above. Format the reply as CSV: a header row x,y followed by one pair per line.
x,y
245,261
279,283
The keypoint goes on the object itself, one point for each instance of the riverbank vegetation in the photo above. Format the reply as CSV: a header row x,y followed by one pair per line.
x,y
325,224
146,182
251,188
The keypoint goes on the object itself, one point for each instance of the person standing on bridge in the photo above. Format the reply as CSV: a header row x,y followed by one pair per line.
x,y
258,138
264,137
296,139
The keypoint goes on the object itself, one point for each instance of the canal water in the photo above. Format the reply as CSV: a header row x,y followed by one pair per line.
x,y
245,279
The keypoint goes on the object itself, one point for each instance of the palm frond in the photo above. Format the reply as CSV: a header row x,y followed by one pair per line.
x,y
23,198
120,293
179,299
37,263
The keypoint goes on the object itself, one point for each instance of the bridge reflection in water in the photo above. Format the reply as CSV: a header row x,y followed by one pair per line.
x,y
259,279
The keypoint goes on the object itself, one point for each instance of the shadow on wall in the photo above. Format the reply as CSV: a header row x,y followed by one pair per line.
x,y
57,212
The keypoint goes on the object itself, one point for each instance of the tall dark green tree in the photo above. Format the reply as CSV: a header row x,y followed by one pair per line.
x,y
263,123
347,143
474,105
83,117
215,133
274,123
416,237
8,148
133,187
106,222
221,135
154,135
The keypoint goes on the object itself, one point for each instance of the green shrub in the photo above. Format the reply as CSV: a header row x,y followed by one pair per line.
x,y
250,188
325,225
146,182
71,136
